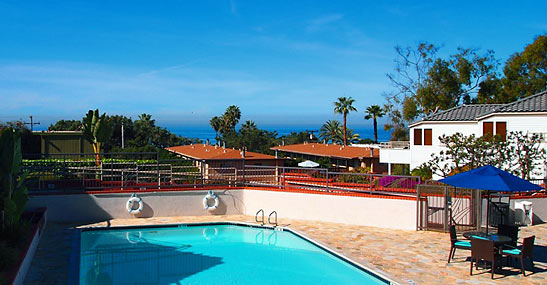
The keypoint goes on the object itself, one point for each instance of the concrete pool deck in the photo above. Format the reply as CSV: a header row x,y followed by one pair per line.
x,y
406,256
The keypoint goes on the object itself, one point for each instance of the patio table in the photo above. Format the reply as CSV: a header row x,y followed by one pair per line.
x,y
498,239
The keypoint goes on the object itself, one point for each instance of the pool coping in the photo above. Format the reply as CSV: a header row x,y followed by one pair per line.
x,y
75,254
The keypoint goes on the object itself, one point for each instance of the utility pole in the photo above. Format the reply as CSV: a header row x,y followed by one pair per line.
x,y
123,144
32,123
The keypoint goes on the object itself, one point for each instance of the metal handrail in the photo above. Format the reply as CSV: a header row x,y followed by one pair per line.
x,y
256,217
270,216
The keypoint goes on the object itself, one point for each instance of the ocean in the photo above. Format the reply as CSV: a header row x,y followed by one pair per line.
x,y
206,132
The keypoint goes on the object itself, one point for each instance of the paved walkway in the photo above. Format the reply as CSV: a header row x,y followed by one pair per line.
x,y
407,256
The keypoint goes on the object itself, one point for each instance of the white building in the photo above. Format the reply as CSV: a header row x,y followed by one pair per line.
x,y
528,115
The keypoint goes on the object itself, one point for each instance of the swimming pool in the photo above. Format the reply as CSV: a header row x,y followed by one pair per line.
x,y
211,254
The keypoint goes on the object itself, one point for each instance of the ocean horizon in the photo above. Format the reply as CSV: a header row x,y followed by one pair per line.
x,y
206,132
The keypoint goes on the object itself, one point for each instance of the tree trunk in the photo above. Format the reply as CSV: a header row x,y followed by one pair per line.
x,y
375,129
345,132
96,149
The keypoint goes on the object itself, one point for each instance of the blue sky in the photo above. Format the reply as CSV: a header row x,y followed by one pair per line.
x,y
281,62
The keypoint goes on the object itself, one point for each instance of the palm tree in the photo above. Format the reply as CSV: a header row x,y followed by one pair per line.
x,y
96,130
343,106
216,124
330,131
352,137
248,126
231,117
374,112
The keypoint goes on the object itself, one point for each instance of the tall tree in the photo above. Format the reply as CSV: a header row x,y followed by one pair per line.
x,y
97,130
216,124
343,106
426,83
526,72
231,117
226,123
374,112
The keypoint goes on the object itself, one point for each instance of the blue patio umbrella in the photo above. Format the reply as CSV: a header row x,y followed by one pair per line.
x,y
491,179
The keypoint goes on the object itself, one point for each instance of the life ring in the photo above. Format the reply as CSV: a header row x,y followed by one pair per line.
x,y
129,205
133,241
210,195
206,234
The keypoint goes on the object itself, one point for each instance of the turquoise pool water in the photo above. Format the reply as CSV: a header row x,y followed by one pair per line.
x,y
210,254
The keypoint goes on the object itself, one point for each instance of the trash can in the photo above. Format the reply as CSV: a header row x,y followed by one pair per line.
x,y
524,213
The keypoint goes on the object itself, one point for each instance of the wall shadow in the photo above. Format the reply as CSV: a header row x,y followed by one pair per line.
x,y
134,260
147,211
84,210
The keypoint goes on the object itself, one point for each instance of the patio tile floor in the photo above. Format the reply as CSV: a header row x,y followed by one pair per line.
x,y
409,257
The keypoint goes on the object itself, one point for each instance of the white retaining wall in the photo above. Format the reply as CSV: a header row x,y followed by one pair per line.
x,y
86,208
376,212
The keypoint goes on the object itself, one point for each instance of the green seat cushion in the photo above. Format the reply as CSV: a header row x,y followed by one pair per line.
x,y
479,237
511,251
463,243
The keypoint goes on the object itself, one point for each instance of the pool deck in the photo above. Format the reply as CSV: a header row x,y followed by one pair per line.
x,y
408,257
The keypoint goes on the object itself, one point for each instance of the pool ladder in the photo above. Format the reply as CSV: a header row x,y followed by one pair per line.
x,y
261,221
256,217
270,218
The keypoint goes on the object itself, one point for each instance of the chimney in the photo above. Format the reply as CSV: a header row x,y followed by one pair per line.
x,y
276,153
223,144
243,152
371,152
207,142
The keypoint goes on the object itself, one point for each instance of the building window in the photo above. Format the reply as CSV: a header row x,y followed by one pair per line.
x,y
428,137
417,136
487,128
501,130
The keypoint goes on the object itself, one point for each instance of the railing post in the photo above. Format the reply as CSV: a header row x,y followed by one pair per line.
x,y
202,164
327,179
158,168
243,172
446,218
284,181
418,224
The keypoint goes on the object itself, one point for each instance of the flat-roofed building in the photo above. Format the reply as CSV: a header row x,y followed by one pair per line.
x,y
211,158
347,157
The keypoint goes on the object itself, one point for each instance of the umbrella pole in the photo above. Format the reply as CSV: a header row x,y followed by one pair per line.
x,y
487,210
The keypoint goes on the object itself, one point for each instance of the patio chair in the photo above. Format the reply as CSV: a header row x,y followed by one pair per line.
x,y
486,251
455,243
525,251
510,231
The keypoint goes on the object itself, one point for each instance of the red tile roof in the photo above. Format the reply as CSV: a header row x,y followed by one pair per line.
x,y
211,152
330,150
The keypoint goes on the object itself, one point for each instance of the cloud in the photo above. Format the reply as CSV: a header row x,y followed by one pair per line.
x,y
177,94
319,23
62,87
